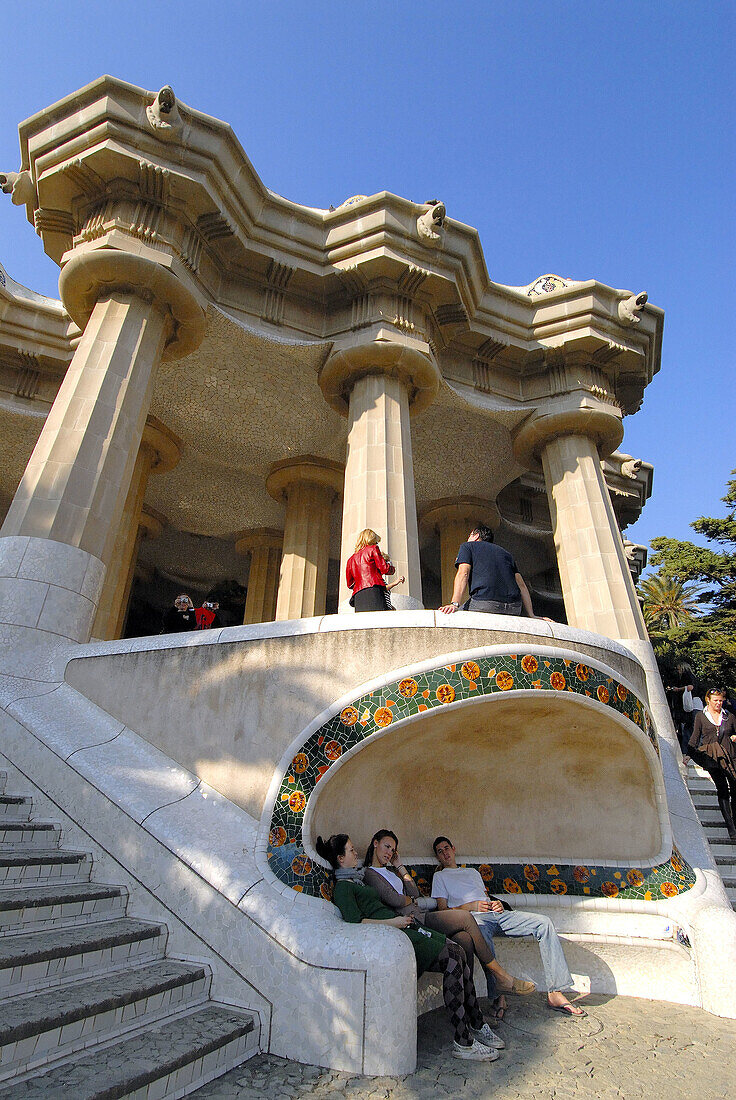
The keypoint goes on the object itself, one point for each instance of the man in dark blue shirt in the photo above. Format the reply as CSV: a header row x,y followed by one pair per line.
x,y
490,573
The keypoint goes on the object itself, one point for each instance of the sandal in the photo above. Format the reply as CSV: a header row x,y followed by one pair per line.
x,y
569,1010
521,987
498,1008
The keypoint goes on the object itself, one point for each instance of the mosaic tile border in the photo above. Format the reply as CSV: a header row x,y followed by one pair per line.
x,y
440,686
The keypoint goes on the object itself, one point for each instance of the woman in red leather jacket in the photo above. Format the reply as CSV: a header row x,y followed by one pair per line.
x,y
365,572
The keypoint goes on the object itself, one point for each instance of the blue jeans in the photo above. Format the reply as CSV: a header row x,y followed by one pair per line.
x,y
496,607
557,974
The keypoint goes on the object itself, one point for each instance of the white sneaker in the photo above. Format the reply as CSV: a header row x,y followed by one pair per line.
x,y
488,1038
476,1052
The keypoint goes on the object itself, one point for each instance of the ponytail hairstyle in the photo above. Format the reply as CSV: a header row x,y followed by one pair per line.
x,y
368,861
332,848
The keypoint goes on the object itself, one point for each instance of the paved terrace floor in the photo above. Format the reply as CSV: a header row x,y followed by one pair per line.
x,y
626,1048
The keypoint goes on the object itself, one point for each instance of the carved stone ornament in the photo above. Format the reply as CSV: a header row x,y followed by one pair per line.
x,y
630,467
19,186
163,115
630,307
431,222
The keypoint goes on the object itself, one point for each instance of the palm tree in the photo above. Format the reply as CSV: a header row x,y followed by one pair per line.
x,y
666,602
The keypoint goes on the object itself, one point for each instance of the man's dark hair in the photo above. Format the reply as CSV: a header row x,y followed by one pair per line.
x,y
485,534
440,840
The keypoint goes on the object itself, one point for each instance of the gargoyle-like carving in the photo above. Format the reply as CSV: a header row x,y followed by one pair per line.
x,y
432,220
163,115
19,186
630,307
630,467
630,550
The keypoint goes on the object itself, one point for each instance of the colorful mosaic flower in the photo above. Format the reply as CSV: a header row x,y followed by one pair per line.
x,y
277,836
557,886
529,664
609,889
349,716
581,874
383,717
531,873
445,693
621,692
486,872
408,688
558,681
676,863
297,802
300,763
511,886
505,681
669,889
603,694
301,865
333,750
327,889
470,670
634,877
582,672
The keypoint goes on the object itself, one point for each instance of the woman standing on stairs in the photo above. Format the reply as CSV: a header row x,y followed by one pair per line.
x,y
713,747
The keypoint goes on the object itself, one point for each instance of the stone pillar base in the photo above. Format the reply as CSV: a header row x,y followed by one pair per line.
x,y
46,587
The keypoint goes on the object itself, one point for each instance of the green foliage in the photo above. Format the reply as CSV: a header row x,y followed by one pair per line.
x,y
667,603
689,645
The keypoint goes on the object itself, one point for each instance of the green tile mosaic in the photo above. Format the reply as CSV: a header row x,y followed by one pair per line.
x,y
438,687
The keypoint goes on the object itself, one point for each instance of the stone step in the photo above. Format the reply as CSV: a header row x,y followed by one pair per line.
x,y
719,843
706,799
173,1059
699,783
17,806
37,865
38,1029
29,834
31,908
28,962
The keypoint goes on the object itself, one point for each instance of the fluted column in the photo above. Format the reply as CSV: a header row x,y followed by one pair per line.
x,y
133,312
377,384
264,545
596,581
308,486
159,452
453,519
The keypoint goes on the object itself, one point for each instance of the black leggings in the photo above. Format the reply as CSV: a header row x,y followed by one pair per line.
x,y
458,991
725,784
371,599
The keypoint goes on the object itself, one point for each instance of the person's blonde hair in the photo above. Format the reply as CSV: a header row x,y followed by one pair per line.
x,y
366,538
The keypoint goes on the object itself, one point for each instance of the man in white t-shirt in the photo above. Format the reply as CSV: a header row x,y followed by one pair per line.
x,y
456,887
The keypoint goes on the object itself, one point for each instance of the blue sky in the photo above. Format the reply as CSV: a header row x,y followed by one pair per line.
x,y
588,139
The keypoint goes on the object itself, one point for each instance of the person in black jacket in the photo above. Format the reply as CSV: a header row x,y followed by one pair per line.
x,y
713,747
180,617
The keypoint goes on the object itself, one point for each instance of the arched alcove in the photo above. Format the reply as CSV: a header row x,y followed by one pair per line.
x,y
511,778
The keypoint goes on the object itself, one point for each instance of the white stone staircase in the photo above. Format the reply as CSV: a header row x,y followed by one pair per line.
x,y
90,1004
704,797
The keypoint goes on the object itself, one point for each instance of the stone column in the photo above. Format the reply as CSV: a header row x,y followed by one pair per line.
x,y
376,385
159,452
65,516
596,581
264,545
150,526
308,486
453,519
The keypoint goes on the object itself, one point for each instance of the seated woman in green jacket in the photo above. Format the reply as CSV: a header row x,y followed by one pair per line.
x,y
359,904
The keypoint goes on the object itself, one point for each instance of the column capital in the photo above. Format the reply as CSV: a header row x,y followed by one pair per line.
x,y
413,365
151,523
89,275
460,510
164,445
258,538
593,419
309,468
